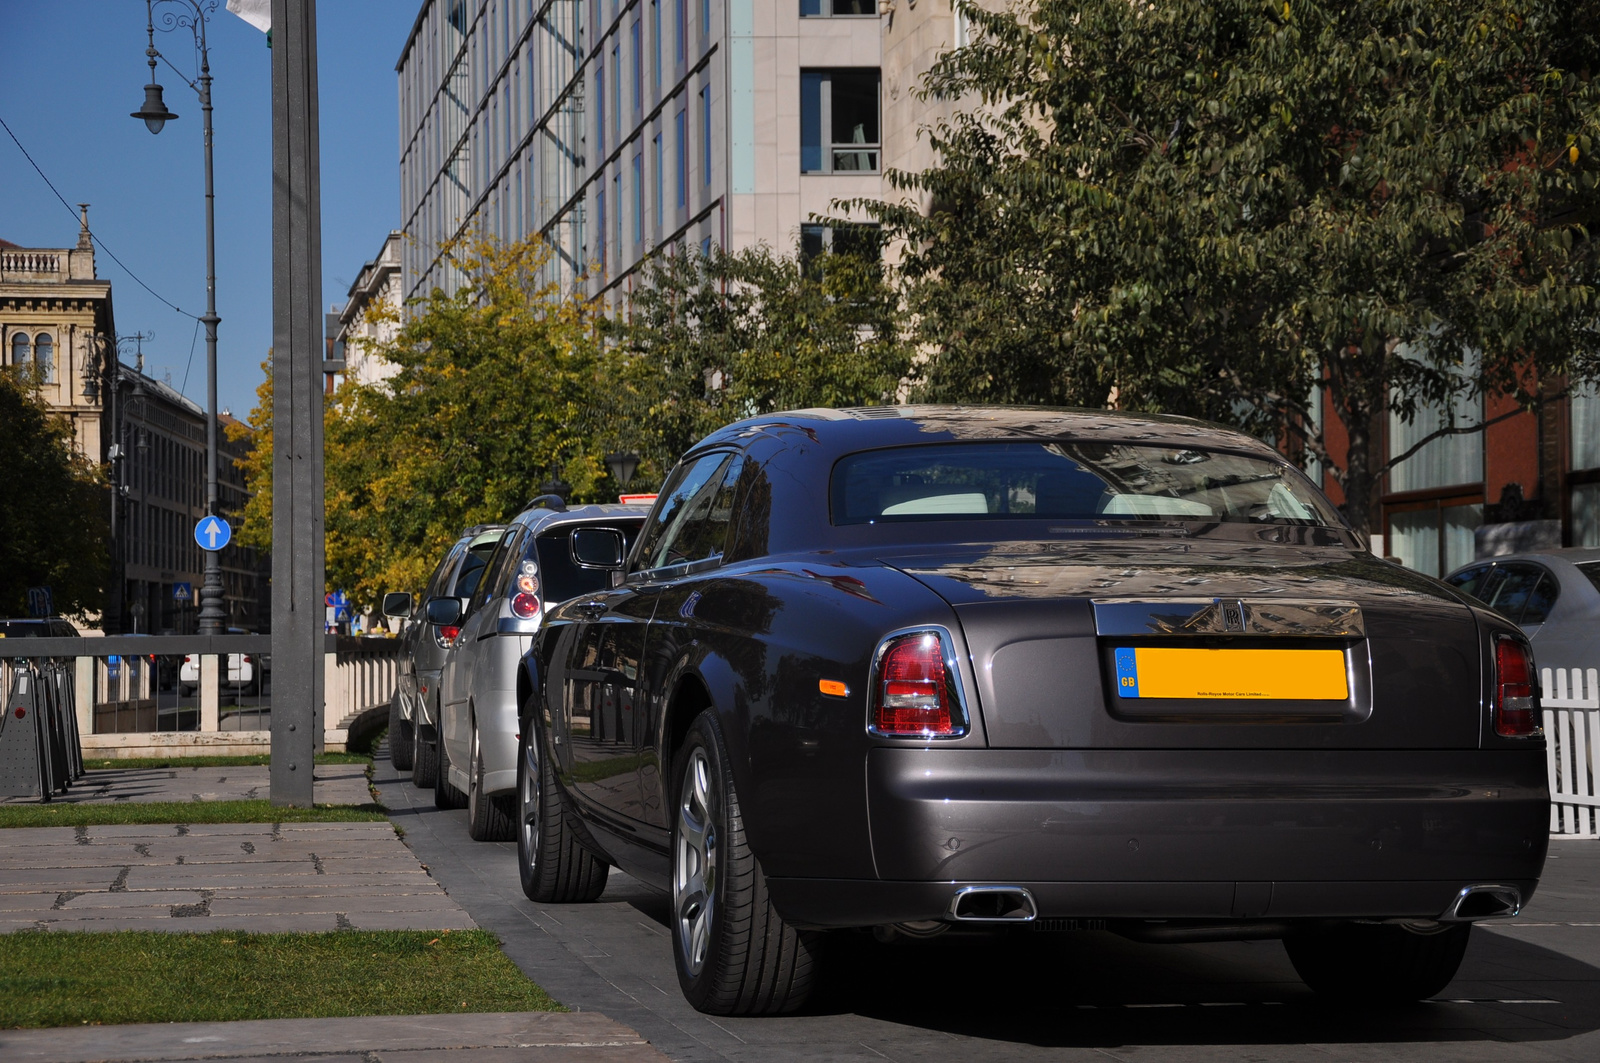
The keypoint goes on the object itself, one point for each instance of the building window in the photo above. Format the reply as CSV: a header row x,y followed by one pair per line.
x,y
836,8
1586,462
616,88
864,241
705,17
705,131
655,38
839,121
1442,462
600,230
44,353
682,122
600,110
1435,538
638,67
616,206
660,178
683,29
20,349
638,198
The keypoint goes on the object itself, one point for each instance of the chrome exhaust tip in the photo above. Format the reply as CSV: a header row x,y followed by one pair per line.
x,y
993,904
1483,902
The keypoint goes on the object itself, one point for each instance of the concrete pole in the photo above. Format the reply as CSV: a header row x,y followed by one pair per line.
x,y
298,605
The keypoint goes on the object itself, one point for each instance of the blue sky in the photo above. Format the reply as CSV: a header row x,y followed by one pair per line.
x,y
73,71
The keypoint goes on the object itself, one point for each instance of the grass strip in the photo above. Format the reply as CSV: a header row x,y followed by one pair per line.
x,y
133,813
72,978
262,760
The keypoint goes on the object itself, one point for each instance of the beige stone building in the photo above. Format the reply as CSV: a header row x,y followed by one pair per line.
x,y
349,327
55,314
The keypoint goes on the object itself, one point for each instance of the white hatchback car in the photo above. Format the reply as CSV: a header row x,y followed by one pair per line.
x,y
244,670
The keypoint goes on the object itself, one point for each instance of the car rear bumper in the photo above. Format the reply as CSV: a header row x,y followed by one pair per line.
x,y
1205,834
832,903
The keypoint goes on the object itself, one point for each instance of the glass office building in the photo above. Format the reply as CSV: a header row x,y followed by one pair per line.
x,y
614,128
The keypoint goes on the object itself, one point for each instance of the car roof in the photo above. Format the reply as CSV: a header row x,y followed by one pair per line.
x,y
540,517
844,430
1572,555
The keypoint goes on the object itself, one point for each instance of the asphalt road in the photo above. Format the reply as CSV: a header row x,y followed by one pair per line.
x,y
1529,990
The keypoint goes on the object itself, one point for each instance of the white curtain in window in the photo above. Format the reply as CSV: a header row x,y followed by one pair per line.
x,y
1586,515
1414,539
1460,546
1447,460
1586,427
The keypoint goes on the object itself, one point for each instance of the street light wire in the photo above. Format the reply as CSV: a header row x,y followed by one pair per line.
x,y
99,242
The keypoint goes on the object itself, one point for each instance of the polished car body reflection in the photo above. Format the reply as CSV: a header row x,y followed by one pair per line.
x,y
917,668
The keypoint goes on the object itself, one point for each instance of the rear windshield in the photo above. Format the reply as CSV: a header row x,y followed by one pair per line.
x,y
478,555
560,577
1070,481
1590,569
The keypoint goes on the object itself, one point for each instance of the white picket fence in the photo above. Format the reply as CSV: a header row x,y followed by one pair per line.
x,y
1571,700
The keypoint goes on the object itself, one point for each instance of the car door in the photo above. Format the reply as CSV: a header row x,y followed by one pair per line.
x,y
455,728
685,559
602,658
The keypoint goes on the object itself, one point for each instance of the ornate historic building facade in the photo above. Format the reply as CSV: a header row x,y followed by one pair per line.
x,y
56,317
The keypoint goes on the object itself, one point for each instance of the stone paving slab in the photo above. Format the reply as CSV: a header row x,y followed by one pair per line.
x,y
493,1037
249,876
332,784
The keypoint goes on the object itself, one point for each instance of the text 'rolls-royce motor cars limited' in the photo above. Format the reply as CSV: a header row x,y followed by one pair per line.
x,y
919,667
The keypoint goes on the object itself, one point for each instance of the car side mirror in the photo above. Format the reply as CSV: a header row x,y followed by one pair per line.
x,y
597,548
444,612
397,604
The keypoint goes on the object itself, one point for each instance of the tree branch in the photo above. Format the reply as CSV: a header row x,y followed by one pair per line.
x,y
1455,430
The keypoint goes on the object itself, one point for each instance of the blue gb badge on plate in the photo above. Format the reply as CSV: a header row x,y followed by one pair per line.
x,y
1127,673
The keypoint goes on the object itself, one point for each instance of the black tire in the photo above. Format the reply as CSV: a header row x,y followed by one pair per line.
x,y
401,744
735,955
489,818
425,762
185,690
1378,963
554,867
445,795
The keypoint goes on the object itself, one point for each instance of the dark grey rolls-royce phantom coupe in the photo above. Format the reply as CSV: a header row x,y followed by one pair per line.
x,y
931,668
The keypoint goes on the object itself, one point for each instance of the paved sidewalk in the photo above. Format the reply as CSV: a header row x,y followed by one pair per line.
x,y
226,876
495,1037
333,784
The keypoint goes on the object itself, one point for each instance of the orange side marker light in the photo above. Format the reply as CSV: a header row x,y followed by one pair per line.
x,y
833,688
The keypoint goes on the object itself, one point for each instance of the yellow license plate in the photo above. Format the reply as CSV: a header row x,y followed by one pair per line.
x,y
1188,672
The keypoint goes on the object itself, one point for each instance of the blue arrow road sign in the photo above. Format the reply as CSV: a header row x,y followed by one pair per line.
x,y
212,533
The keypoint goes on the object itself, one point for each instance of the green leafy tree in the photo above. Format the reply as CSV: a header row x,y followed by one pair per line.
x,y
53,529
709,339
1211,206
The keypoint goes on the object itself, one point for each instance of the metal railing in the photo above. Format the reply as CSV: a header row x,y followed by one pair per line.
x,y
171,694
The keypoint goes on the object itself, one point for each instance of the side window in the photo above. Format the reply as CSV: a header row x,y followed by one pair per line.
x,y
472,567
1542,600
682,489
705,531
1471,581
437,583
696,534
1509,597
490,586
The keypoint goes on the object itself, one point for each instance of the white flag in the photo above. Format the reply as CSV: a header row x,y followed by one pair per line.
x,y
256,12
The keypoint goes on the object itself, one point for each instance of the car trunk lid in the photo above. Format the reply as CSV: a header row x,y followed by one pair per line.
x,y
1162,644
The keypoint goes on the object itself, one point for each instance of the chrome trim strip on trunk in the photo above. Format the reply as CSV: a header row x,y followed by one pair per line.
x,y
1319,618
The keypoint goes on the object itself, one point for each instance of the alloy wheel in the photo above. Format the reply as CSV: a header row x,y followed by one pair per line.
x,y
694,867
529,799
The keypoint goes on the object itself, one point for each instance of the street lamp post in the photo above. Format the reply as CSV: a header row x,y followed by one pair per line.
x,y
213,614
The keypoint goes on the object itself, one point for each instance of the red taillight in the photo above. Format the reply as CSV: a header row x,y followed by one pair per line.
x,y
525,605
913,694
1516,709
